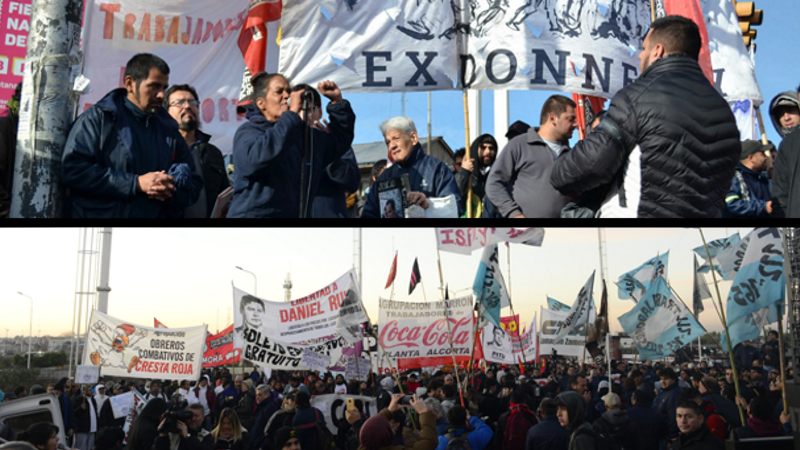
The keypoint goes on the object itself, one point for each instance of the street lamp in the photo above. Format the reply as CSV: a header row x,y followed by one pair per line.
x,y
255,279
30,327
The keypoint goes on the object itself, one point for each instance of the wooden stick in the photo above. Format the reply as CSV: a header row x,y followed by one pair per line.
x,y
467,154
447,321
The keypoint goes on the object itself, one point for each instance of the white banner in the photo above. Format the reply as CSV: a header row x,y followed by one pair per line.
x,y
588,47
87,374
416,334
572,345
121,404
314,360
467,240
500,347
581,312
734,74
267,352
125,350
333,311
333,407
197,38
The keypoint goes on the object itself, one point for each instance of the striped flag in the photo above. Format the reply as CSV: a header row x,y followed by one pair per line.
x,y
415,277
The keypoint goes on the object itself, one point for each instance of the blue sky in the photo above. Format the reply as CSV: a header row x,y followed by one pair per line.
x,y
777,69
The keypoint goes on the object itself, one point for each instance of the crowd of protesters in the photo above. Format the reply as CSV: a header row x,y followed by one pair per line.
x,y
668,146
555,404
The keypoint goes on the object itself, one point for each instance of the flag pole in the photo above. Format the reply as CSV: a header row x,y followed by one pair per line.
x,y
447,319
467,152
725,326
511,305
781,350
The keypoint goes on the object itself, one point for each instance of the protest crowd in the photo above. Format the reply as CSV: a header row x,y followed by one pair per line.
x,y
668,146
554,404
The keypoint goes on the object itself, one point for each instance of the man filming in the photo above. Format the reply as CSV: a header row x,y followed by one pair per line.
x,y
183,430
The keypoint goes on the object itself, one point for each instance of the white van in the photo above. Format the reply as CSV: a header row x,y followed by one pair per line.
x,y
21,413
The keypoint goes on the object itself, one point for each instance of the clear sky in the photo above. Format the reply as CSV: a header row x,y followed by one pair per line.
x,y
183,276
777,70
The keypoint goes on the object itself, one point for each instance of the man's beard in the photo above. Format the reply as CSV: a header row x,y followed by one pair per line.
x,y
189,124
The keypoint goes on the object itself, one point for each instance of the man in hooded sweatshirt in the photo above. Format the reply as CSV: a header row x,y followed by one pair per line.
x,y
572,416
474,172
784,110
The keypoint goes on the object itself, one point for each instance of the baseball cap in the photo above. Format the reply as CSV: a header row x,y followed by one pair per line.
x,y
751,146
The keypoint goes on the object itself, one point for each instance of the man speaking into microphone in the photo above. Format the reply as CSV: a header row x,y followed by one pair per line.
x,y
269,153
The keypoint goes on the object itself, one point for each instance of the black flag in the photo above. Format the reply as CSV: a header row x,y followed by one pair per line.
x,y
415,277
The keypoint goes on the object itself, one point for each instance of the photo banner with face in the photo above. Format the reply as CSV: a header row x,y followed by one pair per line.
x,y
332,311
122,349
501,347
197,39
589,47
466,240
571,345
660,324
416,334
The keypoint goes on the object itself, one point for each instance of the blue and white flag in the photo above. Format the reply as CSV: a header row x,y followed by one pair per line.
x,y
489,287
633,284
760,281
581,312
555,305
727,254
660,324
748,328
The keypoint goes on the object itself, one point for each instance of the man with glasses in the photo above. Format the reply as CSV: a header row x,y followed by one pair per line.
x,y
124,157
182,104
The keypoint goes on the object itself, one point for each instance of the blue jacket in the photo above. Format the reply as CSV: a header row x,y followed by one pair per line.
x,y
108,147
757,185
338,178
478,438
547,435
267,157
426,174
650,425
665,404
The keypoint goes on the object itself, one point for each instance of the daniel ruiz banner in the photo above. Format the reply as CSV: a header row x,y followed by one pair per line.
x,y
587,46
197,38
467,240
416,334
332,311
126,350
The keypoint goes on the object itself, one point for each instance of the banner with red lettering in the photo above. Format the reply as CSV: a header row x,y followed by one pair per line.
x,y
197,38
416,334
122,349
332,311
465,240
15,22
219,349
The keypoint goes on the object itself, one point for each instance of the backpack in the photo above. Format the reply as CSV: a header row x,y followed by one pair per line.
x,y
517,425
457,442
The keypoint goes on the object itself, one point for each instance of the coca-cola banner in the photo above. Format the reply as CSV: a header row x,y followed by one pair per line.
x,y
219,349
416,334
331,311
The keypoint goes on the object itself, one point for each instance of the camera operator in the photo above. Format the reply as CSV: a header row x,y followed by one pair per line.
x,y
183,430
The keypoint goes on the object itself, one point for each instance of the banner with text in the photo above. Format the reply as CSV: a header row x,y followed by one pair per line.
x,y
571,345
126,350
219,349
15,22
333,407
589,47
499,346
416,334
332,311
466,240
197,38
267,352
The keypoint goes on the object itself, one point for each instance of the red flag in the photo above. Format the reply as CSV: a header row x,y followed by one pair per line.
x,y
253,37
692,10
415,277
586,109
392,272
158,324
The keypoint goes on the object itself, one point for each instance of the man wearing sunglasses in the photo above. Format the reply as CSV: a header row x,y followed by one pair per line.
x,y
182,103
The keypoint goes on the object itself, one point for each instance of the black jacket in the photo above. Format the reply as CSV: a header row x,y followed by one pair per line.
x,y
785,187
687,137
212,164
651,427
701,439
8,147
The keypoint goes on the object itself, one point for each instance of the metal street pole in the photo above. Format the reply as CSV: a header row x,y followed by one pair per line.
x,y
30,327
255,279
47,106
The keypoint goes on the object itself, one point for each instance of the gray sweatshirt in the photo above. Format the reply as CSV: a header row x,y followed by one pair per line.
x,y
520,179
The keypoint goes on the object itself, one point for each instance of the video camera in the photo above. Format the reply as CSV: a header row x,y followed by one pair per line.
x,y
172,417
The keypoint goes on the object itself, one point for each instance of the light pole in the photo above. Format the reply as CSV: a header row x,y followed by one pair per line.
x,y
255,279
30,327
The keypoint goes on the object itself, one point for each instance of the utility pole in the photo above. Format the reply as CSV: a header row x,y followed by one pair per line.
x,y
287,288
105,264
47,106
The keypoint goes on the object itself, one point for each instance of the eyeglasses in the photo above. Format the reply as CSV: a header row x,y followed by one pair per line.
x,y
182,102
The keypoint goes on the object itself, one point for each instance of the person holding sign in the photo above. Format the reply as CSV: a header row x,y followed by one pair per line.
x,y
426,176
268,148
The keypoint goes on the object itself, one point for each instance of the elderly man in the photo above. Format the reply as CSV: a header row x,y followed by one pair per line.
x,y
427,176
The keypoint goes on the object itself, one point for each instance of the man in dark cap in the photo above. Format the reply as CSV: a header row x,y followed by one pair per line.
x,y
517,128
749,194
